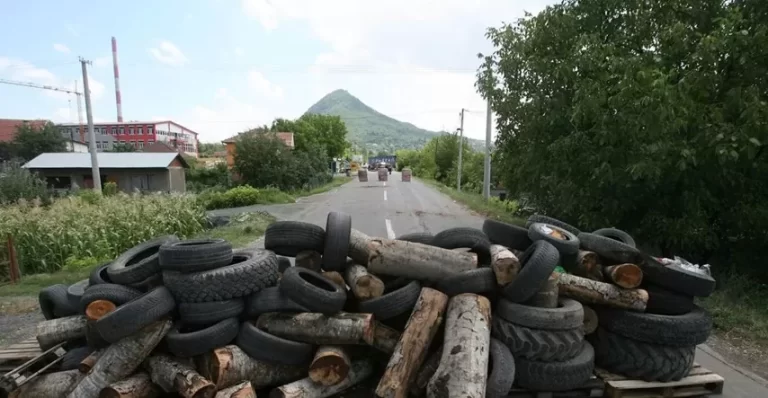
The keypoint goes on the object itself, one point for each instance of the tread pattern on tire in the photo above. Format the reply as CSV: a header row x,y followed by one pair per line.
x,y
99,274
136,314
195,343
509,235
211,312
502,373
125,270
117,294
569,314
304,287
535,344
393,303
54,302
338,228
556,376
477,281
194,255
472,238
271,300
538,218
261,345
616,234
610,249
288,238
538,263
673,330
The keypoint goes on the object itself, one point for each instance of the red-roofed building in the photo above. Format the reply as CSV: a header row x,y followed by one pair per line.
x,y
138,134
8,127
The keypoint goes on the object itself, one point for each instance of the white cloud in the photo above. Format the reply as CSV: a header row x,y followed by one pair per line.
x,y
263,11
262,86
224,117
103,61
168,54
61,48
239,51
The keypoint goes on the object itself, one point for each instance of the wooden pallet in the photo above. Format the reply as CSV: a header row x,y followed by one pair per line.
x,y
591,389
699,382
16,354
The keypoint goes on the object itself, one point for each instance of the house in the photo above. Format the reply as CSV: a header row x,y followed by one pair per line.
x,y
8,127
137,133
76,146
229,144
131,171
160,147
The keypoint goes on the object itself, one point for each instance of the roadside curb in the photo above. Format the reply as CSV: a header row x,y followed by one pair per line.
x,y
750,375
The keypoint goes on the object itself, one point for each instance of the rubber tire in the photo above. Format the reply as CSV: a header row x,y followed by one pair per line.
x,y
393,303
568,248
211,312
72,358
425,238
677,279
283,263
99,275
312,290
616,234
123,272
338,227
569,314
537,264
508,235
195,255
666,302
190,344
75,293
472,238
131,317
271,300
609,249
638,360
556,376
538,218
263,346
117,294
671,330
54,302
251,271
477,281
502,372
92,337
148,284
536,344
288,238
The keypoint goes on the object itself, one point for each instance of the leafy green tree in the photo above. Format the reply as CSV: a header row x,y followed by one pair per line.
x,y
19,183
208,149
312,131
31,141
122,147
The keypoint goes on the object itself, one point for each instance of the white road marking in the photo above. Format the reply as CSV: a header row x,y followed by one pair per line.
x,y
385,183
390,231
385,195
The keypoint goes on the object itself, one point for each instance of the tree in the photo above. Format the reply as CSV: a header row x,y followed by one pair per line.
x,y
208,149
122,147
312,131
30,141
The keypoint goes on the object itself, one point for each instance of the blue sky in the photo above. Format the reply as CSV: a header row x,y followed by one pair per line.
x,y
221,66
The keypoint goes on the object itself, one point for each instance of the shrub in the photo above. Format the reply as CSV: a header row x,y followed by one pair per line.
x,y
110,189
200,178
244,195
18,183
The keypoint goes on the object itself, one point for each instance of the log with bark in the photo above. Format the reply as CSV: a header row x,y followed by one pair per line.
x,y
588,266
593,292
330,365
178,375
319,329
358,247
242,390
590,320
628,276
364,286
336,278
309,259
306,388
428,369
137,386
463,368
88,362
425,321
385,338
547,296
98,308
57,384
121,359
55,331
415,260
229,365
505,264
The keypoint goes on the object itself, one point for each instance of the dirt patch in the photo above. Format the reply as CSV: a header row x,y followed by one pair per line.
x,y
18,318
747,354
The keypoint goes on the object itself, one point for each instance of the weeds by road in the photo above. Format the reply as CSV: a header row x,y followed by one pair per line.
x,y
335,183
496,209
243,228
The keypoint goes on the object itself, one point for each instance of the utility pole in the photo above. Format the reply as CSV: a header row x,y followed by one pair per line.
x,y
487,168
91,134
461,150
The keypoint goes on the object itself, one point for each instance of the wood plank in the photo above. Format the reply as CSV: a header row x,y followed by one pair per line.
x,y
684,382
700,381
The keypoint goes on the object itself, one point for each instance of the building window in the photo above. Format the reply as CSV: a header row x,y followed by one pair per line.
x,y
130,130
150,142
140,130
122,141
114,131
141,144
122,130
149,129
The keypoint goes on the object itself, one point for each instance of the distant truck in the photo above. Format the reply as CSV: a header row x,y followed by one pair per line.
x,y
374,162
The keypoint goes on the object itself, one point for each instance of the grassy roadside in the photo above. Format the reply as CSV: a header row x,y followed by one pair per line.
x,y
496,209
335,183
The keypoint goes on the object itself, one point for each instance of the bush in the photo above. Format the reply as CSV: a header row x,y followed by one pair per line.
x,y
200,178
244,195
75,228
110,189
18,183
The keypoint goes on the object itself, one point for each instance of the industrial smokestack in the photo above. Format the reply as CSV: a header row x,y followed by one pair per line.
x,y
118,97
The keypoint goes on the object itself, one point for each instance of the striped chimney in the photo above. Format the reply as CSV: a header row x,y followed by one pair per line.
x,y
118,97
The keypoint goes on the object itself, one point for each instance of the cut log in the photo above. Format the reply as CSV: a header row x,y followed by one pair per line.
x,y
55,331
229,365
336,278
385,338
319,329
428,369
588,266
242,390
330,365
425,321
628,276
463,368
365,286
121,359
309,259
593,292
88,363
590,320
306,388
178,375
136,386
57,384
97,309
415,260
547,296
505,264
358,247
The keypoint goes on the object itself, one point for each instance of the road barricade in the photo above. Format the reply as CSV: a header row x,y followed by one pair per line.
x,y
362,175
383,174
406,175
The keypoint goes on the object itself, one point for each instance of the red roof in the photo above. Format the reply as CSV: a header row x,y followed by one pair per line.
x,y
159,146
8,127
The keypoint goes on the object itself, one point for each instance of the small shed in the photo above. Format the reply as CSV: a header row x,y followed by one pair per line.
x,y
131,171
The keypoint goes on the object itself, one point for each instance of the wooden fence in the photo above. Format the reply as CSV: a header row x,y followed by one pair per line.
x,y
9,264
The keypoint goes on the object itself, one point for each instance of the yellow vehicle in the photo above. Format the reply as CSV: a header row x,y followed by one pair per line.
x,y
354,166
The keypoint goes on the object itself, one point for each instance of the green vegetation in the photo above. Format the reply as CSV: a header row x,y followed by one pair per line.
x,y
494,208
31,284
242,229
200,178
17,183
738,309
207,149
315,131
122,147
243,195
31,141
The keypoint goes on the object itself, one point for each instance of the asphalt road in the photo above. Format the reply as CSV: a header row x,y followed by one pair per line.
x,y
394,208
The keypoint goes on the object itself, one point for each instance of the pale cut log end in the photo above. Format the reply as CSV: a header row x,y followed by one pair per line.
x,y
330,366
242,390
336,278
628,276
98,309
136,386
505,264
88,363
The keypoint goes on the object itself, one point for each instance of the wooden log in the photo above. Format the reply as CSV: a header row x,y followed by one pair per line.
x,y
425,321
87,364
505,264
55,331
319,329
229,365
463,368
428,369
306,388
358,247
178,375
57,384
590,320
364,286
137,386
121,359
628,276
242,390
547,296
97,309
415,260
593,292
336,278
330,365
385,338
309,259
588,266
